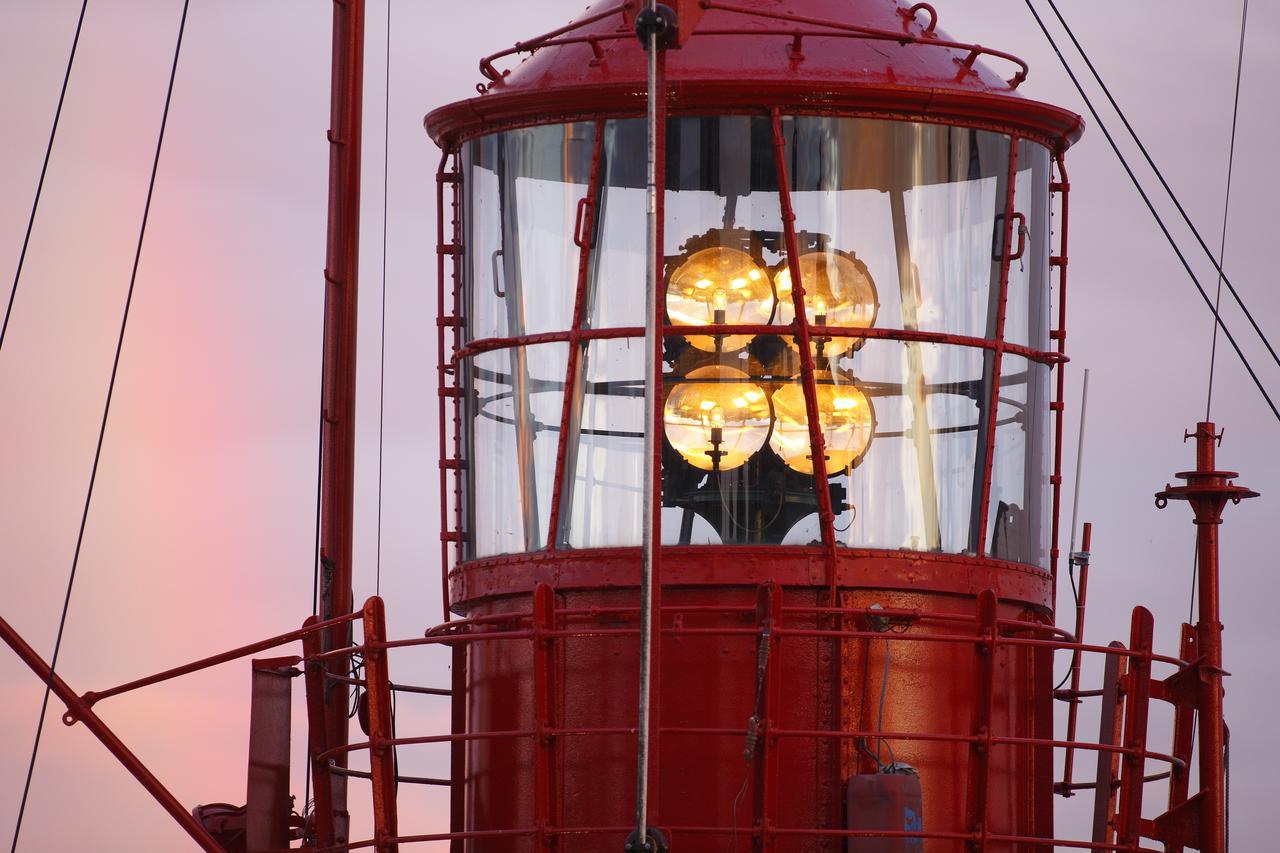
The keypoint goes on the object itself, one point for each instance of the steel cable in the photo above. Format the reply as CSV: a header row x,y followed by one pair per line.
x,y
44,168
382,363
102,430
1156,169
1155,215
1226,207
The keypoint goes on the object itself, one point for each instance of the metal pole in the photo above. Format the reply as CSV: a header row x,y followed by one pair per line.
x,y
647,543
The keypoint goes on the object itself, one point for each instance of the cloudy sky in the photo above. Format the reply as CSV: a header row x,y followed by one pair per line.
x,y
201,531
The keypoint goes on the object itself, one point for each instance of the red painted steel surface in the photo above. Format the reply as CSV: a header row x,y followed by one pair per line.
x,y
744,55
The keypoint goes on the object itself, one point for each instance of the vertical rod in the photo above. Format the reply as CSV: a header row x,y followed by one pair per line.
x,y
322,780
1059,335
382,758
79,709
1075,500
458,748
1104,790
1184,723
444,364
342,261
1208,510
1136,707
980,759
585,225
817,442
544,607
651,503
1073,711
997,355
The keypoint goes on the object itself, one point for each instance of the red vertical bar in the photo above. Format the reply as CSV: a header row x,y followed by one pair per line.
x,y
1137,706
544,614
585,225
817,442
769,662
998,352
1073,712
458,747
321,780
1059,335
984,689
1208,509
445,321
659,344
382,757
1184,723
337,431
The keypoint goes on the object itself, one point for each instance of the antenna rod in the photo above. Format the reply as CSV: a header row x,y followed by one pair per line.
x,y
1075,501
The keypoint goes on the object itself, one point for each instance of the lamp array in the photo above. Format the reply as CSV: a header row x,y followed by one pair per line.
x,y
718,417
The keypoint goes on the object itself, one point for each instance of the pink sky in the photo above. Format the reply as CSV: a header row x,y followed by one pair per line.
x,y
200,536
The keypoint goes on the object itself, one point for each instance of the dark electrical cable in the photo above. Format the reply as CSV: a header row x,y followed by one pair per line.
x,y
1155,215
102,428
382,364
1154,168
1226,206
44,168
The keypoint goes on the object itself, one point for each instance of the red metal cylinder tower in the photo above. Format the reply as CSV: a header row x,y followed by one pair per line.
x,y
856,210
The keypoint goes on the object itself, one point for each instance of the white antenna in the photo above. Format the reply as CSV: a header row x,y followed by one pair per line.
x,y
1075,503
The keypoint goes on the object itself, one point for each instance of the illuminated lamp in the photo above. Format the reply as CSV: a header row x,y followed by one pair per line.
x,y
719,285
845,415
838,291
714,421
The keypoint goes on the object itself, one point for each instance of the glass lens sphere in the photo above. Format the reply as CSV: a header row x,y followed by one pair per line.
x,y
845,414
718,423
837,292
719,285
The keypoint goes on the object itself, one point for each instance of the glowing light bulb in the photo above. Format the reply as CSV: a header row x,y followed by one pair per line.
x,y
845,418
718,422
838,289
719,279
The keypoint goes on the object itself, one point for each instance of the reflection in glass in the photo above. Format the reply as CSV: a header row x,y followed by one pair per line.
x,y
1018,515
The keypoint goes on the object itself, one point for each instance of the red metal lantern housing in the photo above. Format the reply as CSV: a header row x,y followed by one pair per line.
x,y
855,218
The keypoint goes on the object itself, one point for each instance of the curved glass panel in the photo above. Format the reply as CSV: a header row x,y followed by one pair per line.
x,y
514,397
899,229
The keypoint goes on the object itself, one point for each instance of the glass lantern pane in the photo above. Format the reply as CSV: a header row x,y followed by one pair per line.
x,y
1019,513
525,190
1027,311
916,206
605,462
516,398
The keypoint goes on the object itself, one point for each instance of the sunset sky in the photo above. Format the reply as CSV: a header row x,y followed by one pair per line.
x,y
201,531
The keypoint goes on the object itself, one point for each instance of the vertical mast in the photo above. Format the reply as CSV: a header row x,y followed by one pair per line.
x,y
338,402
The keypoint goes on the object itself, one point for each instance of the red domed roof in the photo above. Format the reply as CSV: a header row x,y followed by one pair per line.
x,y
864,57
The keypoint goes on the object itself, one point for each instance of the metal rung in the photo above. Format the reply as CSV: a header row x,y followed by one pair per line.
x,y
1057,261
453,464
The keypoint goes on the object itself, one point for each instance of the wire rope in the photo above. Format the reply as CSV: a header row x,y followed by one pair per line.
x,y
382,363
1155,215
1159,174
1226,205
44,168
102,430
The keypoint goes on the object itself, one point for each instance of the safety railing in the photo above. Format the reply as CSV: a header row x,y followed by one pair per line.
x,y
1122,764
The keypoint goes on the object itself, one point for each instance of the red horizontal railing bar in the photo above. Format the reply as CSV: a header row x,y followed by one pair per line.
x,y
483,345
829,29
215,660
904,38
